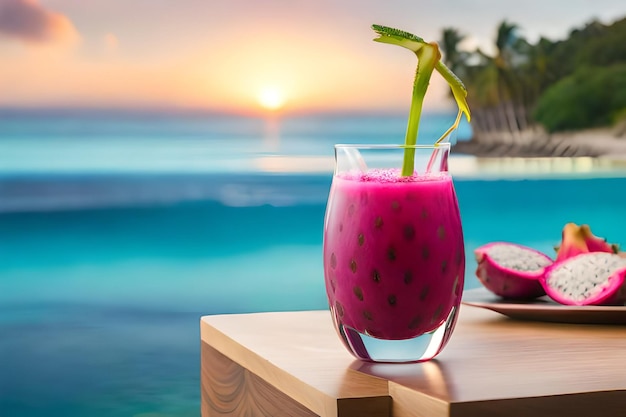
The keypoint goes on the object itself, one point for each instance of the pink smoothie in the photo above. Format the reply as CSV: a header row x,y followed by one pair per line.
x,y
393,253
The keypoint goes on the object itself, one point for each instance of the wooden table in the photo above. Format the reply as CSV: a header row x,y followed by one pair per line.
x,y
293,364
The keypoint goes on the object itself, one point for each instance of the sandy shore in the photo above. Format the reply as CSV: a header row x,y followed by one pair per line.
x,y
603,142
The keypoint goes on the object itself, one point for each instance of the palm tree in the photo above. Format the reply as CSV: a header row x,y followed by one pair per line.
x,y
506,39
508,45
497,87
454,58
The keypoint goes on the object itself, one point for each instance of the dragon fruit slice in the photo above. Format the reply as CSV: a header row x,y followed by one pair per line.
x,y
510,270
595,278
579,239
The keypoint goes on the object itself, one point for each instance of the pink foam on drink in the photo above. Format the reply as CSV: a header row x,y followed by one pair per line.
x,y
390,176
393,252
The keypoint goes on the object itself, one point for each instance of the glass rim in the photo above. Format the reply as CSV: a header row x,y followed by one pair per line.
x,y
382,146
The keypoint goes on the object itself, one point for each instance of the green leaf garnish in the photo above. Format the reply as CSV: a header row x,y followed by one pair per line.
x,y
428,60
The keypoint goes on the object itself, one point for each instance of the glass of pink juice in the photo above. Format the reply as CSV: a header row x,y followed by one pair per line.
x,y
394,258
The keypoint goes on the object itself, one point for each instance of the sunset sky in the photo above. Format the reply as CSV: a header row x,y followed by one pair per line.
x,y
241,55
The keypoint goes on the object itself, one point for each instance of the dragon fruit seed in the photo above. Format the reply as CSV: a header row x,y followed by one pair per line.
x,y
391,253
333,261
391,300
376,275
415,322
424,213
353,266
437,313
441,232
378,222
395,206
409,232
367,315
424,292
408,277
444,266
458,257
361,239
358,292
425,252
339,308
351,210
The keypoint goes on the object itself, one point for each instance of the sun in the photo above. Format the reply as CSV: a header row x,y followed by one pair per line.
x,y
271,98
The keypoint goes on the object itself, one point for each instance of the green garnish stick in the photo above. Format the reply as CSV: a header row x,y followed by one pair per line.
x,y
428,59
428,56
451,128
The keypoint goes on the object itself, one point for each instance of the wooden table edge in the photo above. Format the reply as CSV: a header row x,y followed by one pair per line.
x,y
408,402
295,388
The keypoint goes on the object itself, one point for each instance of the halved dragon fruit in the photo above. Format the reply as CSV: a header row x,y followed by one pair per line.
x,y
594,278
510,270
579,239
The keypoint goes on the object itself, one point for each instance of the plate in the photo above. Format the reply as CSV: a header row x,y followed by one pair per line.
x,y
544,309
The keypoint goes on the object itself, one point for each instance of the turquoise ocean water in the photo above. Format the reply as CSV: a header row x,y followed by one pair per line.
x,y
117,232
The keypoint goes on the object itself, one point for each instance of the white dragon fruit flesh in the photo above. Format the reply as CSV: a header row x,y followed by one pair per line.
x,y
595,278
510,270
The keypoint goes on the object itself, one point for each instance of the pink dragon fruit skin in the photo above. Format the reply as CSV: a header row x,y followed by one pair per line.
x,y
579,239
593,278
510,270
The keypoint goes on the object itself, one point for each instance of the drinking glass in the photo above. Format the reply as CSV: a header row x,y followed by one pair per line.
x,y
394,257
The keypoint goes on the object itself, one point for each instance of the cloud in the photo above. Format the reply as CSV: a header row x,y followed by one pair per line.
x,y
28,21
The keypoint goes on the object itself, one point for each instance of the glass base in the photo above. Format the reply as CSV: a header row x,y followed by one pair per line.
x,y
418,349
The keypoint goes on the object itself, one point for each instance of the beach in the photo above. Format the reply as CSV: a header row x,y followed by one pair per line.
x,y
605,142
